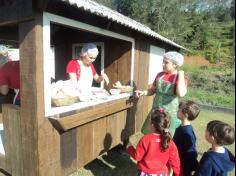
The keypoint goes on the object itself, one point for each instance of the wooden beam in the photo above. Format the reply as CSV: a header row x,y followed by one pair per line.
x,y
14,11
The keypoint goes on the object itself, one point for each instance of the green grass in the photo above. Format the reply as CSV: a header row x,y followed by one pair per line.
x,y
199,126
113,163
210,98
212,85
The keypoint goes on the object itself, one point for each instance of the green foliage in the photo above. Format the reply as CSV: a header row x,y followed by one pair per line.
x,y
211,85
108,3
206,27
206,97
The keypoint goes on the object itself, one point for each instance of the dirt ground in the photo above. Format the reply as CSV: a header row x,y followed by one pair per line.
x,y
196,61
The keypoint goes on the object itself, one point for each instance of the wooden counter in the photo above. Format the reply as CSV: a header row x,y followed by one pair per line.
x,y
65,121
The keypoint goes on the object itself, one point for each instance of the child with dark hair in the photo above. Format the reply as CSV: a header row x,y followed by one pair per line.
x,y
218,160
185,138
156,150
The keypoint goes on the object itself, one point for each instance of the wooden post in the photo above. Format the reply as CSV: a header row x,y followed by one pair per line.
x,y
31,72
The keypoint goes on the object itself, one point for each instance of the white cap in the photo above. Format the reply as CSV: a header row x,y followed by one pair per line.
x,y
89,49
3,50
176,57
3,54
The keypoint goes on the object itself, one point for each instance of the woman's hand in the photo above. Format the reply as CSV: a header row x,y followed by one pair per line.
x,y
102,77
105,78
140,93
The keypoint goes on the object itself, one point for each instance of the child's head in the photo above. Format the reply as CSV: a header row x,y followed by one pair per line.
x,y
219,133
160,120
188,110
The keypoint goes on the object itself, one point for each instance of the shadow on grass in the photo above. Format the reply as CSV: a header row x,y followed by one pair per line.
x,y
112,163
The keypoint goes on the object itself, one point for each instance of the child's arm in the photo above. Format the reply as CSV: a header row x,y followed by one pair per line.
x,y
190,152
174,160
205,168
137,153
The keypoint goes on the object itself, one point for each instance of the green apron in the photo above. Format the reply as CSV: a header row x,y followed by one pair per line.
x,y
165,98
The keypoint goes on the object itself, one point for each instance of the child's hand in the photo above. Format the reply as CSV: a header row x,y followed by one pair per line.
x,y
129,144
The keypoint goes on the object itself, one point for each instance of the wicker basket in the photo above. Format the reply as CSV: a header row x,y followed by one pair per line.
x,y
125,89
64,101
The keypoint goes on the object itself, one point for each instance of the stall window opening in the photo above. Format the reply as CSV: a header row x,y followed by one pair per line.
x,y
57,33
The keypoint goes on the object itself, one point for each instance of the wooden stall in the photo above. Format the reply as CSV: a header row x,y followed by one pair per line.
x,y
43,140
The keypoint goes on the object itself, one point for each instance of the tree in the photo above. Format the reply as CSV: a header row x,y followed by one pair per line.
x,y
232,9
108,3
203,26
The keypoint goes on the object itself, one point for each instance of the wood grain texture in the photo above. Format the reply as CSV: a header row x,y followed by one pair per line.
x,y
92,113
141,68
12,133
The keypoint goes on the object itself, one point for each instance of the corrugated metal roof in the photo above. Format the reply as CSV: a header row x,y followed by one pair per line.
x,y
103,11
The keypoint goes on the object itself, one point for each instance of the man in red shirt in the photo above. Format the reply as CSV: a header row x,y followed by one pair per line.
x,y
9,75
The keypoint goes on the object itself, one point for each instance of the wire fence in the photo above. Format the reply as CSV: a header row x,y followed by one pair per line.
x,y
217,108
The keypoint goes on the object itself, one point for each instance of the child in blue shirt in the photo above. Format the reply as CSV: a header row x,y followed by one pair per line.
x,y
218,160
185,138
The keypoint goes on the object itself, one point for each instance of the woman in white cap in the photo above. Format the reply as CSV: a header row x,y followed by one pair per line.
x,y
9,74
81,70
168,86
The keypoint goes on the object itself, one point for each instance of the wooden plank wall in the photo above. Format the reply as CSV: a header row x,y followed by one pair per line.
x,y
141,68
64,153
118,62
12,136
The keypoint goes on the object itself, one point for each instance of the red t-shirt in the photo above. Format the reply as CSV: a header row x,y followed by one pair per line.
x,y
74,67
167,77
10,75
151,159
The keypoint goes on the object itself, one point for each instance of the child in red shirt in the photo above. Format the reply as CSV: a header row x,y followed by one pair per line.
x,y
156,150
